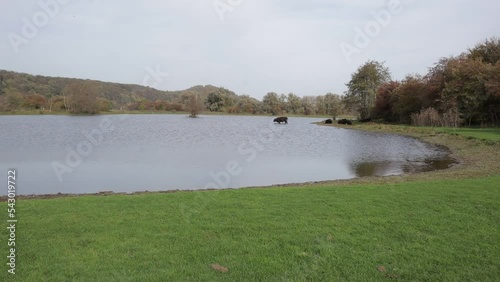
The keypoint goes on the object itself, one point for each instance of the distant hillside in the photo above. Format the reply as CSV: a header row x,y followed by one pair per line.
x,y
119,94
21,92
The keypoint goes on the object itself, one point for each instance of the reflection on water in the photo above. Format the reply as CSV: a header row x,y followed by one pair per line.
x,y
166,152
378,169
386,168
379,154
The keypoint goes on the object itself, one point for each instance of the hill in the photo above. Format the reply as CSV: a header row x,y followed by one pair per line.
x,y
21,86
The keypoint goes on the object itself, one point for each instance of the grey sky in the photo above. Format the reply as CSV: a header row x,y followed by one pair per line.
x,y
249,46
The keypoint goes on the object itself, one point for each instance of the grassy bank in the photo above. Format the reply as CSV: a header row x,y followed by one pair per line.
x,y
488,134
492,134
442,225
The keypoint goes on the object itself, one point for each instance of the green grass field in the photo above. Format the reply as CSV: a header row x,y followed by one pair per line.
x,y
492,134
434,231
435,226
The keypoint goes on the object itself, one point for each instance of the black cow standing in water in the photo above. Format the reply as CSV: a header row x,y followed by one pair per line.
x,y
281,119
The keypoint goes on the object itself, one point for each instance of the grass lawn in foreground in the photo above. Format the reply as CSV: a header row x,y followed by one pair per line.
x,y
440,230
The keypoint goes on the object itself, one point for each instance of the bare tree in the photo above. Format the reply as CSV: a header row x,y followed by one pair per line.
x,y
193,104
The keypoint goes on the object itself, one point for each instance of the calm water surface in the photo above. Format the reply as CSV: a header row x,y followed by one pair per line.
x,y
127,153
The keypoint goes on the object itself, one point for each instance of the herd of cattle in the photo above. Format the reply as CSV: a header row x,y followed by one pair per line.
x,y
328,121
340,121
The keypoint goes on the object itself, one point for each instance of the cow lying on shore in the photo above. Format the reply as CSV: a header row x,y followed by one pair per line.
x,y
281,119
344,121
329,121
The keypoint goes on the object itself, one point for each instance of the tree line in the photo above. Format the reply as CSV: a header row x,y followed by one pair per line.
x,y
457,90
48,94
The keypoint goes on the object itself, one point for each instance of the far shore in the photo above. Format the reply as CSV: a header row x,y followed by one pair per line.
x,y
122,112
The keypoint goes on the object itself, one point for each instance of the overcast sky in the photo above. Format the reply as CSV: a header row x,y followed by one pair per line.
x,y
308,47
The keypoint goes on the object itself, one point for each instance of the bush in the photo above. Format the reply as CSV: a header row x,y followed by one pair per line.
x,y
431,117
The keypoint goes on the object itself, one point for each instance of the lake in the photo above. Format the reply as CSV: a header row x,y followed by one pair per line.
x,y
128,153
